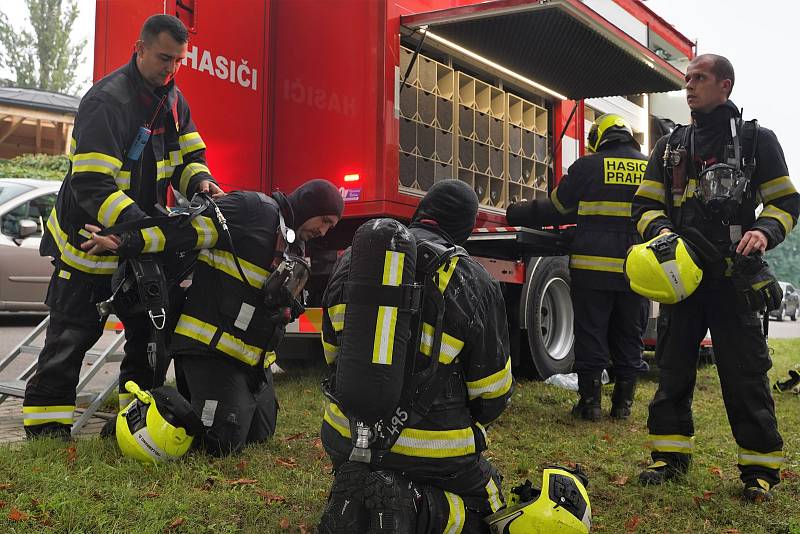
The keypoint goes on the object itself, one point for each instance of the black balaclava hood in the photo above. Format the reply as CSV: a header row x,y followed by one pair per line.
x,y
314,198
453,205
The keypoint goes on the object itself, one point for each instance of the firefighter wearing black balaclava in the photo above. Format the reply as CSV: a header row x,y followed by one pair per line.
x,y
704,182
609,318
228,329
434,477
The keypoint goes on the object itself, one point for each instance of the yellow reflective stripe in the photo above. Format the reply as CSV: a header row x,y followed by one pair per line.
x,y
154,240
606,208
557,203
652,190
190,170
445,273
435,443
222,260
124,399
671,443
233,346
175,157
596,263
330,350
679,198
269,358
493,495
39,415
776,188
123,180
457,515
190,142
111,208
206,232
647,218
72,145
164,170
66,275
96,162
449,349
493,386
774,212
75,257
336,315
770,460
383,343
196,329
334,417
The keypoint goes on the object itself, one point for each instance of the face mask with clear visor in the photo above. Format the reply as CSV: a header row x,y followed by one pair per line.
x,y
719,184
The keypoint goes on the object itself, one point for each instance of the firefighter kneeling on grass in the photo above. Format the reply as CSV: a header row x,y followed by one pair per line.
x,y
415,333
244,291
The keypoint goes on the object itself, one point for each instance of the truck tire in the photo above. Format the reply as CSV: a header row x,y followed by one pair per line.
x,y
780,313
546,315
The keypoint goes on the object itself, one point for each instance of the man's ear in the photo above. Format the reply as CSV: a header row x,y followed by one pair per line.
x,y
138,46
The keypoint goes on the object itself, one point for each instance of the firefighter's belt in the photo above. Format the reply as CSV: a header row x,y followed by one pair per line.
x,y
405,297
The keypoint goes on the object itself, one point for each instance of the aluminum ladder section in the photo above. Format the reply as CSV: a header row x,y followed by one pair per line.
x,y
97,358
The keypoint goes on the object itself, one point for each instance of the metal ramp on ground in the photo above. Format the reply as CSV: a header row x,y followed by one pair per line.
x,y
30,347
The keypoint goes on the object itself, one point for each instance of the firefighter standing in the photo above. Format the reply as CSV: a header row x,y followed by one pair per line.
x,y
454,484
133,137
707,179
228,329
609,318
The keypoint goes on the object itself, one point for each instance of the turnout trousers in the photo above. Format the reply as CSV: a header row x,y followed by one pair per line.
x,y
608,329
742,361
236,402
456,493
75,326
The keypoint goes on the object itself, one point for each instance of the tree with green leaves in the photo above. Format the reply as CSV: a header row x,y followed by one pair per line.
x,y
785,258
44,59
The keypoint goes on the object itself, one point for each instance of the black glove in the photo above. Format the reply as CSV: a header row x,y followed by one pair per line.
x,y
756,286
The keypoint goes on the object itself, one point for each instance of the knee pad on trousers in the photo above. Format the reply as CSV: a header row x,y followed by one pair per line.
x,y
433,513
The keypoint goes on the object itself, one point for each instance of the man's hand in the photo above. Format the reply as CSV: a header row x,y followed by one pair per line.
x,y
752,241
665,231
209,187
98,244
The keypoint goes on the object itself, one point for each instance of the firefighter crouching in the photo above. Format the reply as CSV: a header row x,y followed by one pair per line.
x,y
426,470
704,182
245,289
133,137
609,318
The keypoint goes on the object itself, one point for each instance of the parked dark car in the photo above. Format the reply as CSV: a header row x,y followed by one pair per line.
x,y
25,206
790,306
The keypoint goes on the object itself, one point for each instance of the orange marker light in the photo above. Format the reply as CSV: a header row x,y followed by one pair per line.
x,y
351,177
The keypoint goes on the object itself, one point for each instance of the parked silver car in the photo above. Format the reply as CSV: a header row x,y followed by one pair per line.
x,y
790,306
25,206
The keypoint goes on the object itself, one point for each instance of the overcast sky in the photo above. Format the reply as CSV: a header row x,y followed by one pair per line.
x,y
755,36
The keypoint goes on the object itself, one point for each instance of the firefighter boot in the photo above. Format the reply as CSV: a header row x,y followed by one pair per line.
x,y
345,512
589,388
662,470
757,491
622,398
390,503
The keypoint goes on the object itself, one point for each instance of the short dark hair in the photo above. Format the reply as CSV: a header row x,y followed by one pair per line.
x,y
157,24
721,67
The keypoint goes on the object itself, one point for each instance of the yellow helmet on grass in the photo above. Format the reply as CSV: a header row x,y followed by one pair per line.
x,y
665,269
560,507
156,426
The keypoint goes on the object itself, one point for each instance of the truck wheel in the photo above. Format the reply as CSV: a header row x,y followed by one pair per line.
x,y
547,315
793,316
780,313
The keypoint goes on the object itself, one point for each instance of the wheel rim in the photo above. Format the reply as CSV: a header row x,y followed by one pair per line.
x,y
555,319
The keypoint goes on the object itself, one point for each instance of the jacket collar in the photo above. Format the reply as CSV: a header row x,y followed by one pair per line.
x,y
719,115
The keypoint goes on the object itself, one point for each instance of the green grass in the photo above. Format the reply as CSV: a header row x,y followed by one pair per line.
x,y
47,486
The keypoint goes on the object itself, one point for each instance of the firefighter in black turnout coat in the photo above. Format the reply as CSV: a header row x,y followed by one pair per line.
x,y
701,181
117,173
609,318
226,334
452,484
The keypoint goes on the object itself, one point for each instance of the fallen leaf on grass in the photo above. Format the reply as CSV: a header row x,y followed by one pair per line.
x,y
72,455
732,531
304,529
242,481
632,523
293,437
786,474
5,486
152,494
35,502
207,485
176,523
241,466
716,471
291,463
284,523
317,443
2,504
705,497
271,497
606,438
620,480
16,515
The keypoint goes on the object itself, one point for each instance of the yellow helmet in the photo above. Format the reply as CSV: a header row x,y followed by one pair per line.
x,y
560,507
607,128
665,269
156,426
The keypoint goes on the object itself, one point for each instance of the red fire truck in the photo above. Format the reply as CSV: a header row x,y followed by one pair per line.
x,y
385,97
